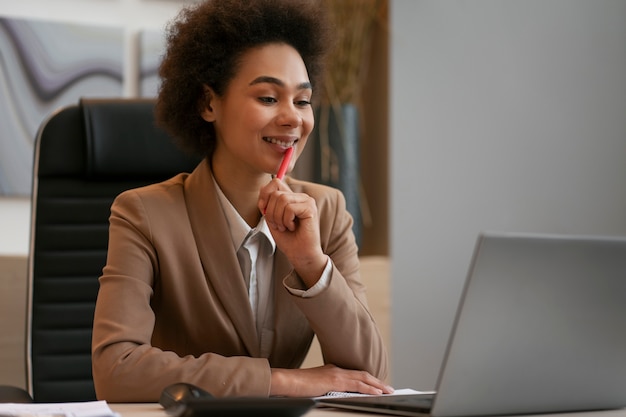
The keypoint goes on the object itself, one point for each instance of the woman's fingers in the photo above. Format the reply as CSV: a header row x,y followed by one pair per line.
x,y
318,381
284,209
362,382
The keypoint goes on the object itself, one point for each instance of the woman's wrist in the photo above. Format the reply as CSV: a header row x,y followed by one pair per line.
x,y
278,382
310,270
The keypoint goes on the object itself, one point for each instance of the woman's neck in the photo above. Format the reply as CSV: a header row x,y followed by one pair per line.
x,y
242,191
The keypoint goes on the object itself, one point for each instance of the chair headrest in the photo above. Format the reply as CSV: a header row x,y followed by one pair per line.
x,y
123,140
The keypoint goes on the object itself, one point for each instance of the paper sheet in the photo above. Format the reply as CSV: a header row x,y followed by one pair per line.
x,y
75,409
403,391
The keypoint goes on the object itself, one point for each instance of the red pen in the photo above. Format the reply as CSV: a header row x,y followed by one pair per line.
x,y
285,163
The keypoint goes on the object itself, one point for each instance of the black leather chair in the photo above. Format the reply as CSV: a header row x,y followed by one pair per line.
x,y
85,155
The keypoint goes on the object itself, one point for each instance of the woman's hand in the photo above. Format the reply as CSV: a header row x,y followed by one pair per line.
x,y
314,382
293,221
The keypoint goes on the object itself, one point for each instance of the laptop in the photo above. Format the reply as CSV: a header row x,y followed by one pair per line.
x,y
540,328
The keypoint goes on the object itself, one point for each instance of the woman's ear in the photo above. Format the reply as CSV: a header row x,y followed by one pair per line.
x,y
205,104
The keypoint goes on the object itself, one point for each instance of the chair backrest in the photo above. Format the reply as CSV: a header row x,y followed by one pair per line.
x,y
85,155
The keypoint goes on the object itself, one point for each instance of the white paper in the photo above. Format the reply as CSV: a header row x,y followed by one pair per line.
x,y
75,409
403,391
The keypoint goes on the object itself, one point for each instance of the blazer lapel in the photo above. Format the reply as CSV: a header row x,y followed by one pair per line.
x,y
217,255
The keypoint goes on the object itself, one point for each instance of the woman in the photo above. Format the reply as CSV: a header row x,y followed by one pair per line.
x,y
221,277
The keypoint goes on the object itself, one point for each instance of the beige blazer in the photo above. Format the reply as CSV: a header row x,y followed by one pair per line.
x,y
173,305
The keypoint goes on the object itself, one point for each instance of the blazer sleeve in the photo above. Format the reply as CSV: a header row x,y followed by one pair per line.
x,y
339,315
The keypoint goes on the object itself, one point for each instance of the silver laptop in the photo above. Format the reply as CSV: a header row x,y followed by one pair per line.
x,y
540,328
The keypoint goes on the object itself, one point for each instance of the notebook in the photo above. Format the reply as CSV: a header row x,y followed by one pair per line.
x,y
540,328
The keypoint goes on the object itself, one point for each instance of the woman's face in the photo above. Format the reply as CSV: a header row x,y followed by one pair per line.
x,y
265,109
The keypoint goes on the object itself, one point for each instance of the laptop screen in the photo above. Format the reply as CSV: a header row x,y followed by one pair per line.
x,y
540,328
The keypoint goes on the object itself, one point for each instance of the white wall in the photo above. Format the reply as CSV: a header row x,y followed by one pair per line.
x,y
505,115
135,14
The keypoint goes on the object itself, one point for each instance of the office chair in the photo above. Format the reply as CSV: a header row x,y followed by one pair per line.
x,y
85,155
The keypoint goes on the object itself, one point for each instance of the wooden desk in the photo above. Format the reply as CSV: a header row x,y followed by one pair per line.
x,y
155,410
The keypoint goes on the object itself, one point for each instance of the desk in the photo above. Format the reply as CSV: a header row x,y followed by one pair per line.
x,y
155,410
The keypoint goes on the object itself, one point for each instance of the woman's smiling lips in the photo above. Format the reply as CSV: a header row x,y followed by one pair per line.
x,y
283,143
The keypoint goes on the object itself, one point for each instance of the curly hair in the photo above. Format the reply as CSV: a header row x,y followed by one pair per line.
x,y
205,44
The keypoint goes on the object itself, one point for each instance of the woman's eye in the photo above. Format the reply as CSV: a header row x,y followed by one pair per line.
x,y
267,100
303,103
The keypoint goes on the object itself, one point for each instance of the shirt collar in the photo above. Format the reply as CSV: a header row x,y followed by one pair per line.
x,y
239,229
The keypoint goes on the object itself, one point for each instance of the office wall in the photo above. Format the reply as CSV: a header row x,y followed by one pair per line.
x,y
504,115
131,14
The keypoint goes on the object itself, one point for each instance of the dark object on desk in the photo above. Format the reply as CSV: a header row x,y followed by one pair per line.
x,y
539,329
179,394
187,400
10,394
245,407
85,155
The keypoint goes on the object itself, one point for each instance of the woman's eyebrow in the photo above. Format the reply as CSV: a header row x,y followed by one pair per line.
x,y
273,80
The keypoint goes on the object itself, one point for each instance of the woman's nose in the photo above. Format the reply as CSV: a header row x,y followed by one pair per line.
x,y
289,115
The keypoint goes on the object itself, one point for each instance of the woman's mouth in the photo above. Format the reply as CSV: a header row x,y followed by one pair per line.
x,y
279,142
